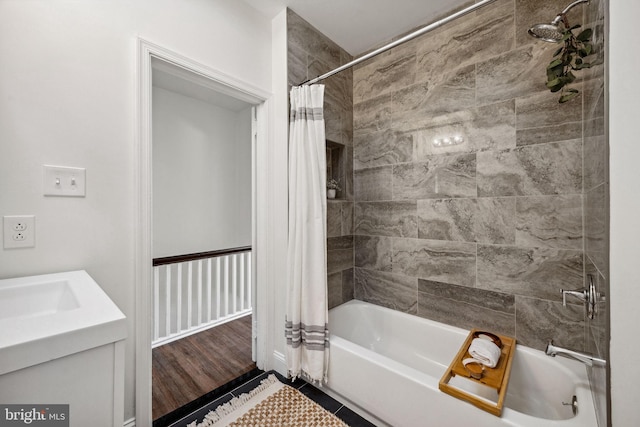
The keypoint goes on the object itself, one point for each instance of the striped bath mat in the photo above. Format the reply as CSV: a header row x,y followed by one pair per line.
x,y
271,404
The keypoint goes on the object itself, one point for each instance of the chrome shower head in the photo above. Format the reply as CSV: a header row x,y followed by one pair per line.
x,y
554,32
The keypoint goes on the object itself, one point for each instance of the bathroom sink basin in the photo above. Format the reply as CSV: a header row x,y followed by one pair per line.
x,y
53,315
36,299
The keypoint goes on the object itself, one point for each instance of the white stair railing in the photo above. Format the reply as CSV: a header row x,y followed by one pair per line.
x,y
195,292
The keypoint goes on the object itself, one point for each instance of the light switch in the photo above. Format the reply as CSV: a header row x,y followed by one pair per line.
x,y
64,181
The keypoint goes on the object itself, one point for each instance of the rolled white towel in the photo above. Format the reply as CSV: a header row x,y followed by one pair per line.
x,y
485,351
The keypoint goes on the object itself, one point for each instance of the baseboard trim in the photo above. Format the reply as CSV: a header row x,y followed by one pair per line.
x,y
279,363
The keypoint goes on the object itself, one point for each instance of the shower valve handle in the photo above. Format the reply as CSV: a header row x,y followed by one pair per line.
x,y
589,296
581,294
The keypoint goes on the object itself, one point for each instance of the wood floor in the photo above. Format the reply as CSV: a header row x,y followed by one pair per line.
x,y
193,366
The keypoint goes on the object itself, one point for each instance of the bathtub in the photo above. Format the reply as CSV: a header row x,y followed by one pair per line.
x,y
388,364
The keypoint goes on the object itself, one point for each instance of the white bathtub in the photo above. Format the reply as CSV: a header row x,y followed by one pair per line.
x,y
389,363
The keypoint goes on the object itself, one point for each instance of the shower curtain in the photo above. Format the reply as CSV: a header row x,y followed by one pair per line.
x,y
306,315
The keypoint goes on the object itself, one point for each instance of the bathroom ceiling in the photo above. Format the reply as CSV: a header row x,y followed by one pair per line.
x,y
359,25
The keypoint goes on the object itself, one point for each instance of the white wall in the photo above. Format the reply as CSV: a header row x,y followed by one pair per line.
x,y
624,112
67,97
201,175
279,195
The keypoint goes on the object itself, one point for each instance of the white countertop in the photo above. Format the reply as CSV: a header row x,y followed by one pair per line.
x,y
54,315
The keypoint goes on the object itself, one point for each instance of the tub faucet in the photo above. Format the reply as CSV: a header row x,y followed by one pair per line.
x,y
588,360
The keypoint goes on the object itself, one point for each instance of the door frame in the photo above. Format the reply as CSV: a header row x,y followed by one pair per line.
x,y
147,54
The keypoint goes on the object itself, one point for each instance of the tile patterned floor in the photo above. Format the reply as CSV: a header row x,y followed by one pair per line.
x,y
183,416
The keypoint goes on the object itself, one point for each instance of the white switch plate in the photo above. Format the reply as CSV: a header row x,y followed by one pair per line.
x,y
64,181
19,231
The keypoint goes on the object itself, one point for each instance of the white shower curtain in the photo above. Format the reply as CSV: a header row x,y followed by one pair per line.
x,y
306,317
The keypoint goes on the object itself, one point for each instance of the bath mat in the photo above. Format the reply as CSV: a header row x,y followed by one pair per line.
x,y
271,404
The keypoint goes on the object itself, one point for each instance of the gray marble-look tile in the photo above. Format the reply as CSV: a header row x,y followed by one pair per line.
x,y
339,87
373,253
385,74
439,176
342,242
372,115
535,272
333,120
348,129
339,260
466,307
388,290
296,65
347,218
338,110
544,134
539,321
334,218
373,183
594,93
490,127
497,8
442,261
347,285
306,37
595,161
486,220
494,301
386,219
447,219
594,126
541,118
466,41
334,289
596,230
510,75
544,169
414,106
381,148
549,221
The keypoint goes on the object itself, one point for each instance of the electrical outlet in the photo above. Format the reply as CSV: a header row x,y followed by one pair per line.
x,y
20,226
19,231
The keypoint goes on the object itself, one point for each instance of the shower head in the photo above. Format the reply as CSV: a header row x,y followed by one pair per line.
x,y
554,32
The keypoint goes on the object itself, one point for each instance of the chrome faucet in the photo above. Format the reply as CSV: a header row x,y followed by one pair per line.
x,y
588,360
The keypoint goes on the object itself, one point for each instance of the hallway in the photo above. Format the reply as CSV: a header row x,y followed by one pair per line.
x,y
188,368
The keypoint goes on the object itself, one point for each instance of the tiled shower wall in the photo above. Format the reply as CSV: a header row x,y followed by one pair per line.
x,y
310,54
596,202
485,233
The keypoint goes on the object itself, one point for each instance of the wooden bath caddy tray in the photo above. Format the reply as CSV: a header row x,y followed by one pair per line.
x,y
496,378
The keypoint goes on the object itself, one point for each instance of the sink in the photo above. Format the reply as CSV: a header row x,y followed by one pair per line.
x,y
50,316
36,299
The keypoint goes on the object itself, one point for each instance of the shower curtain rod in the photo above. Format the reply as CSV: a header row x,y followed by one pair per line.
x,y
400,41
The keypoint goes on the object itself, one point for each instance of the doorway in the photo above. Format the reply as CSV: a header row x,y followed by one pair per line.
x,y
216,275
202,205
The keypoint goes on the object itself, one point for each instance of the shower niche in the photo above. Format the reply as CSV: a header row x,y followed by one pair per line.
x,y
336,159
